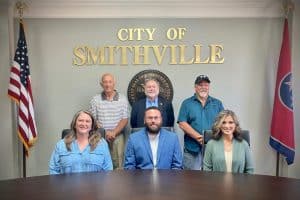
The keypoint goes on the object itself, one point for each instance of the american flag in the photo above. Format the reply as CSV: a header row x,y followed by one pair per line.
x,y
19,89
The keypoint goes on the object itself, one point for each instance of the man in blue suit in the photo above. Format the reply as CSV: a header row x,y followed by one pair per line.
x,y
153,147
152,99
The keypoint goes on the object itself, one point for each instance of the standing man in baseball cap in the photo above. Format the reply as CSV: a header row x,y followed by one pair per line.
x,y
196,114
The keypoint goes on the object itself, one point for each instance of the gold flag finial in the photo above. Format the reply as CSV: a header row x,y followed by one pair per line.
x,y
288,6
21,6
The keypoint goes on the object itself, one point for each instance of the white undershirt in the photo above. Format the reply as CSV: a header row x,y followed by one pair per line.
x,y
153,139
228,160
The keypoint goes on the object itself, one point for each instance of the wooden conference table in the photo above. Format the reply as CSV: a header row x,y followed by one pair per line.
x,y
148,184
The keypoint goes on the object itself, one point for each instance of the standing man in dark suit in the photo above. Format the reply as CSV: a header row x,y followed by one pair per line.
x,y
152,99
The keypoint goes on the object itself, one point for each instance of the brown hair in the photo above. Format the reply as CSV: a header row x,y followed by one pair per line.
x,y
216,129
94,135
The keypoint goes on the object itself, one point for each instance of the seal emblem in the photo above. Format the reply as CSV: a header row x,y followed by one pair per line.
x,y
285,91
135,89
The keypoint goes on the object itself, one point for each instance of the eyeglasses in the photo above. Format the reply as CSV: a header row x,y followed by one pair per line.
x,y
153,118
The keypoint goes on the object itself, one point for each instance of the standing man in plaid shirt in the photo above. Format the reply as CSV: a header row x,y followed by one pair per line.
x,y
110,109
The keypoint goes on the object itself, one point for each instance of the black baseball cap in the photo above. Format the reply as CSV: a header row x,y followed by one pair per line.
x,y
201,78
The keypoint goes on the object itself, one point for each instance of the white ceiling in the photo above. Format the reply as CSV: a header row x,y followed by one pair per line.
x,y
149,8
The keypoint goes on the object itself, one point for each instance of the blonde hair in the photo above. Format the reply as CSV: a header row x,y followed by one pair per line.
x,y
94,135
216,129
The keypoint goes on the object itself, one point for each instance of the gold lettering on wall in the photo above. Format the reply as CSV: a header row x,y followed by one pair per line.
x,y
140,55
137,34
143,54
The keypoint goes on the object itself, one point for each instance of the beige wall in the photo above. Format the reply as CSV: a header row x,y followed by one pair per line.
x,y
294,169
245,82
9,167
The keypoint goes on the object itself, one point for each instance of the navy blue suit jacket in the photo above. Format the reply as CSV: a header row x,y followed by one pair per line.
x,y
138,154
138,111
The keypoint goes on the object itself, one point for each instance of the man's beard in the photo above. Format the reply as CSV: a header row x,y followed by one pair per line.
x,y
203,93
153,130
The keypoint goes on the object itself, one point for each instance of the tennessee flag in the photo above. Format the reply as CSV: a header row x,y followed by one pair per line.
x,y
282,126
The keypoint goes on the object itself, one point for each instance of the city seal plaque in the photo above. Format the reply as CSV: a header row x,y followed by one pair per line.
x,y
135,89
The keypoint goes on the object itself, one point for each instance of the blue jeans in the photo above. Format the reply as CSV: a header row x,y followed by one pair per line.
x,y
192,161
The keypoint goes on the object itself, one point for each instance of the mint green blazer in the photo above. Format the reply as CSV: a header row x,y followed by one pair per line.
x,y
214,157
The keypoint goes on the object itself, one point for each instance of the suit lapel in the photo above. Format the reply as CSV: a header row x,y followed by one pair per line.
x,y
147,145
143,105
160,103
222,149
161,142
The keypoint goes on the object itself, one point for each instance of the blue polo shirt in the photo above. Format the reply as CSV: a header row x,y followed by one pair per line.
x,y
198,117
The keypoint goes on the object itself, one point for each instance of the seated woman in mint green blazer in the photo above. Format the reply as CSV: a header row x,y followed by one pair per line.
x,y
227,151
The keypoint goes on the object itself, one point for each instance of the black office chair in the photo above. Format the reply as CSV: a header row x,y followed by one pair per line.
x,y
208,135
246,136
135,129
168,128
67,131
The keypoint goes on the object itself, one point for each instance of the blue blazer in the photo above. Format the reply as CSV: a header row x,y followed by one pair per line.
x,y
138,111
138,154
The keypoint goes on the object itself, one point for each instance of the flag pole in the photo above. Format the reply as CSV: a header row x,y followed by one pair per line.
x,y
24,161
277,164
20,6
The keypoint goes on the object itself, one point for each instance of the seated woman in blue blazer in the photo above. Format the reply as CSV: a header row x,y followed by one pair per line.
x,y
81,150
227,151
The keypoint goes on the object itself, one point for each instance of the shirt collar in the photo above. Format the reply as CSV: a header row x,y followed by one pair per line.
x,y
115,98
151,136
153,103
195,98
